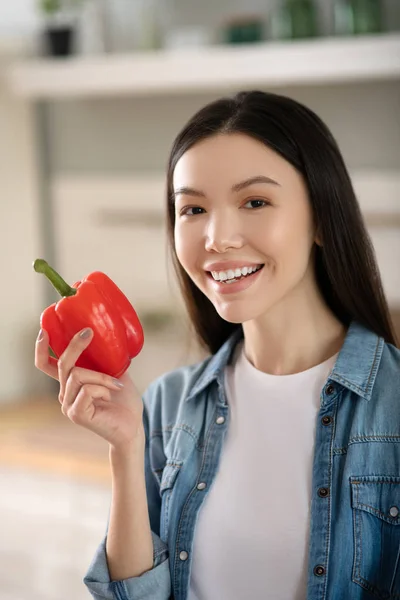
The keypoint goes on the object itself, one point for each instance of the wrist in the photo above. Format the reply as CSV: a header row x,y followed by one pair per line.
x,y
129,450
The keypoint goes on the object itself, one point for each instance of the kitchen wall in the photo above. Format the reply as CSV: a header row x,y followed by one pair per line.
x,y
20,297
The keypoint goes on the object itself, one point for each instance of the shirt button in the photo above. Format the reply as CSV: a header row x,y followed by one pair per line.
x,y
323,492
394,511
319,570
329,389
220,420
326,420
183,555
201,486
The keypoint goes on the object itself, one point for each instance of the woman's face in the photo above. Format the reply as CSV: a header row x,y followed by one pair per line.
x,y
239,205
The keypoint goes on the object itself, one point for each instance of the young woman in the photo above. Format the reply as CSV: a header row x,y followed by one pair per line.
x,y
272,468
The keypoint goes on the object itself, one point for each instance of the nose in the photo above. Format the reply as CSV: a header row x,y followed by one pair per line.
x,y
222,233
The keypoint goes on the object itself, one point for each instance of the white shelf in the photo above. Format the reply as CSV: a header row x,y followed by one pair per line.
x,y
319,61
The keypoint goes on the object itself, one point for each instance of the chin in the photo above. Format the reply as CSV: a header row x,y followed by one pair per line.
x,y
238,314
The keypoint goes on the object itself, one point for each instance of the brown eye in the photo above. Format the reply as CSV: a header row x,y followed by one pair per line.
x,y
194,209
256,203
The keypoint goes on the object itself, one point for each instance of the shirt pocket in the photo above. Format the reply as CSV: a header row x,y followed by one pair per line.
x,y
376,528
167,486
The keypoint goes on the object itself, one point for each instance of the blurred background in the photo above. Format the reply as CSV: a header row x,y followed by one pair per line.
x,y
92,94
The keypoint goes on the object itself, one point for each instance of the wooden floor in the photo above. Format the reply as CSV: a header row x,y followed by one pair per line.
x,y
54,502
36,435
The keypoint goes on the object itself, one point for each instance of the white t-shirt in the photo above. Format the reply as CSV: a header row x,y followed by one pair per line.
x,y
251,537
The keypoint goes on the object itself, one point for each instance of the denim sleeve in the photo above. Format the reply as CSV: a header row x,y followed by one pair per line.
x,y
152,585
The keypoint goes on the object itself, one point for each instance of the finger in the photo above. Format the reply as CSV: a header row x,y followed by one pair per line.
x,y
68,358
79,377
82,410
43,361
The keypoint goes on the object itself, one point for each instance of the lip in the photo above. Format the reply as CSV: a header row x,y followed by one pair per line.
x,y
238,286
232,264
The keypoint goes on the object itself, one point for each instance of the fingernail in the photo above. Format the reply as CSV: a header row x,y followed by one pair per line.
x,y
85,334
118,383
40,336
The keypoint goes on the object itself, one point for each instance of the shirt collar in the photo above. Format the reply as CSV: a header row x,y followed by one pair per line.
x,y
216,365
355,368
357,365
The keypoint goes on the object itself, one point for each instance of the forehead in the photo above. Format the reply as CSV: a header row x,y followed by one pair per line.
x,y
228,157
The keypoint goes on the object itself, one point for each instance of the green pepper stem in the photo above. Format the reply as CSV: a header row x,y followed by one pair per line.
x,y
62,287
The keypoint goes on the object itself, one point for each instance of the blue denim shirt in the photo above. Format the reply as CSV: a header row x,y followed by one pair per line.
x,y
354,537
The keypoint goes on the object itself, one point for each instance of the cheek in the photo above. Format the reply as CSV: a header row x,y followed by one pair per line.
x,y
293,246
272,237
286,240
179,245
184,247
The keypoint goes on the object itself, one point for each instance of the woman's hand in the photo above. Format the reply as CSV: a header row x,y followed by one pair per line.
x,y
109,407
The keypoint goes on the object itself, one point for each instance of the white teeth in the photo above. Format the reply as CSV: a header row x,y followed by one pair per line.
x,y
231,274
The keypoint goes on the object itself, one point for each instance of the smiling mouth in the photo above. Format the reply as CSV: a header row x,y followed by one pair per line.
x,y
235,279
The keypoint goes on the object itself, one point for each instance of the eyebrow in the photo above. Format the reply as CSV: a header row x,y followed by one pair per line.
x,y
188,191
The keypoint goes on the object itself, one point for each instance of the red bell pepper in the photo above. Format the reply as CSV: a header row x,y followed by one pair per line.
x,y
98,303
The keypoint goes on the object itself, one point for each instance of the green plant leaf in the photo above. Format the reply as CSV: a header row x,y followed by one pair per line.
x,y
50,7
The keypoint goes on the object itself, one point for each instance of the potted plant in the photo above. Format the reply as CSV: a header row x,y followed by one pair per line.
x,y
60,26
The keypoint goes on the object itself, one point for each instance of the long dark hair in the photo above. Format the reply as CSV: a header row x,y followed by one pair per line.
x,y
346,267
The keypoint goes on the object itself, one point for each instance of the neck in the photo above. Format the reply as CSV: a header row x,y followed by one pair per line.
x,y
293,337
